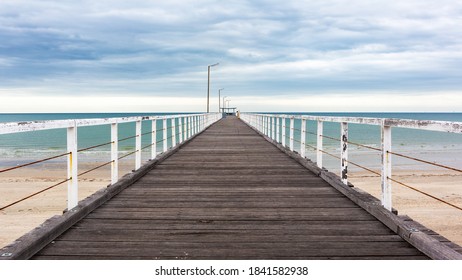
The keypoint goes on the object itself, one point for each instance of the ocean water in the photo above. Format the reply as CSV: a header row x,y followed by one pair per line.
x,y
445,148
19,148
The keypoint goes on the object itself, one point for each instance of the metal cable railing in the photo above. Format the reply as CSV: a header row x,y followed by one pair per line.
x,y
188,125
267,125
32,163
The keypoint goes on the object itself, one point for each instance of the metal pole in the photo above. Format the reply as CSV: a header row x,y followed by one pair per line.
x,y
208,85
219,99
224,103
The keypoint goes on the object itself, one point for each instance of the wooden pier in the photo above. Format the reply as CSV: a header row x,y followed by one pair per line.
x,y
227,194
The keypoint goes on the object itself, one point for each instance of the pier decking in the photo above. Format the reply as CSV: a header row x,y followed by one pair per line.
x,y
229,194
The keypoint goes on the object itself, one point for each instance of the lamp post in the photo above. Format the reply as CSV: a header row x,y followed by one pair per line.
x,y
208,84
224,103
219,99
227,106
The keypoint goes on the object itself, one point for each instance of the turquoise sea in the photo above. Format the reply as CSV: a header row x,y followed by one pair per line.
x,y
441,147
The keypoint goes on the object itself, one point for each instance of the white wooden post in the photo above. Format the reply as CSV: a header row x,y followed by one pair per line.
x,y
164,134
344,152
154,139
303,139
114,153
194,125
189,126
260,127
72,168
138,145
262,124
180,129
273,120
173,131
266,126
319,145
291,139
277,129
283,142
386,168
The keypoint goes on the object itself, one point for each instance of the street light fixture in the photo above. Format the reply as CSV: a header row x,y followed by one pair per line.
x,y
208,84
219,99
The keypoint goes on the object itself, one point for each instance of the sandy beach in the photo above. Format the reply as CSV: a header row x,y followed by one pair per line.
x,y
435,215
23,217
19,219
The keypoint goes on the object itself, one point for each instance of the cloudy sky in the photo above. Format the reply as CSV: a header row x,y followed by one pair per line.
x,y
291,55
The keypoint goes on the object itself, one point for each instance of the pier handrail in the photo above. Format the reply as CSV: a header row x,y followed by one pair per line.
x,y
182,127
274,127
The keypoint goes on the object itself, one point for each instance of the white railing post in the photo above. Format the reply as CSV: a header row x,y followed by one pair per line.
x,y
262,124
319,145
72,168
172,125
273,121
386,168
164,134
291,139
265,125
260,127
154,139
344,152
180,129
114,153
173,132
283,140
202,122
194,125
303,139
277,129
189,127
138,145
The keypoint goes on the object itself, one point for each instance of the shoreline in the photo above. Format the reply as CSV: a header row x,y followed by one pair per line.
x,y
24,216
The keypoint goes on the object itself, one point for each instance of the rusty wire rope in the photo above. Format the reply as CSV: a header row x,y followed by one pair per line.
x,y
90,170
34,194
34,162
377,173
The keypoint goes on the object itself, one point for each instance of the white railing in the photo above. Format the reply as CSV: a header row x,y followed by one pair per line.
x,y
182,128
274,127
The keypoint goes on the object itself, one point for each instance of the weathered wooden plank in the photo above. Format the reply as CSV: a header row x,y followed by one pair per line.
x,y
85,257
129,250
